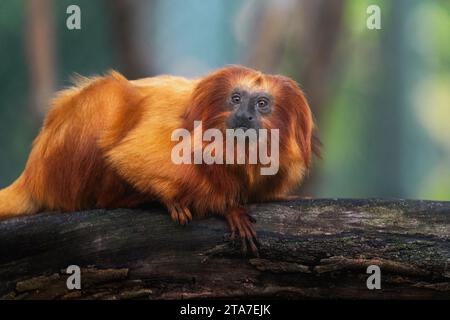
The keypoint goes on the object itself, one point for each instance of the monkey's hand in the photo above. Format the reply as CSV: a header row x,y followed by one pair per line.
x,y
179,213
240,221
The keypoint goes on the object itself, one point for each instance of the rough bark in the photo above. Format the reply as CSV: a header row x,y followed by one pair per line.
x,y
309,249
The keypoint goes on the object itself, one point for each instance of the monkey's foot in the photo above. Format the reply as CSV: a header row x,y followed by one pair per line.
x,y
179,213
240,221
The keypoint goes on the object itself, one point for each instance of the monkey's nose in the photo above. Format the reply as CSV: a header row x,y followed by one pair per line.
x,y
244,116
243,120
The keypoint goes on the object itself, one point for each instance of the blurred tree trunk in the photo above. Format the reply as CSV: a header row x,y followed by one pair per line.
x,y
313,26
125,25
40,47
306,32
318,48
390,102
269,34
319,39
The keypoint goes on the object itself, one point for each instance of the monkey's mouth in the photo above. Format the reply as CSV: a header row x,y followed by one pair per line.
x,y
243,126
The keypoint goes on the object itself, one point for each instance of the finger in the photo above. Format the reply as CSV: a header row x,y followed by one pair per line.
x,y
241,228
182,215
253,247
173,213
232,231
188,214
250,234
253,233
245,236
231,224
252,237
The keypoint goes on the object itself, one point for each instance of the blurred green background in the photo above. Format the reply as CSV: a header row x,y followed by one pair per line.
x,y
381,97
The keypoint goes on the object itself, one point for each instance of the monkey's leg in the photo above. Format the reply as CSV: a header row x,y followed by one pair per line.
x,y
241,222
15,200
179,213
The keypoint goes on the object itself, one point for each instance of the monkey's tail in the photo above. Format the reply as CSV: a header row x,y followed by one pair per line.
x,y
16,200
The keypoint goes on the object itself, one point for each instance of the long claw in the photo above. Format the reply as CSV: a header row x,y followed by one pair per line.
x,y
187,213
238,220
253,248
179,213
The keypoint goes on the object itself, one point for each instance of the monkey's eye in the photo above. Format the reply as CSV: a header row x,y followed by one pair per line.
x,y
236,98
262,104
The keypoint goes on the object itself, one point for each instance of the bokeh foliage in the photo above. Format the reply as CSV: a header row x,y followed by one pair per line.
x,y
385,115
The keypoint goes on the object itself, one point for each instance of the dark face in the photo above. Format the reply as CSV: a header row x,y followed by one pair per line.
x,y
247,109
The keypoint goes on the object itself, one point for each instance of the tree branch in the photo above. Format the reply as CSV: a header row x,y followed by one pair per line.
x,y
309,249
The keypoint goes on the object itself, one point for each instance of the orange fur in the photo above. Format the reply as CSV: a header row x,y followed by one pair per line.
x,y
106,143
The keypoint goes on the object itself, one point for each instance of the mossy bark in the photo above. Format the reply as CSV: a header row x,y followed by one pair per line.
x,y
308,249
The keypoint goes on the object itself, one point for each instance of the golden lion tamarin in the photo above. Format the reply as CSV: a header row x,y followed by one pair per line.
x,y
106,143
